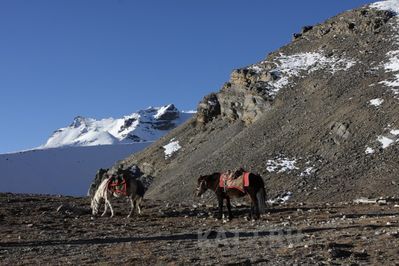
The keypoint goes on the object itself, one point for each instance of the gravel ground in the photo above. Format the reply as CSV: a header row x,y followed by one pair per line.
x,y
60,230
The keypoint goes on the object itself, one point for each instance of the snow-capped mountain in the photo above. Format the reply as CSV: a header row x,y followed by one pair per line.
x,y
142,126
67,163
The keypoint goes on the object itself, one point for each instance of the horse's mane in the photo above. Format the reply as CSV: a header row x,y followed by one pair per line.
x,y
101,189
211,177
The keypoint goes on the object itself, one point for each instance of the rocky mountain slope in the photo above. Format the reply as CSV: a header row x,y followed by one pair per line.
x,y
145,125
318,117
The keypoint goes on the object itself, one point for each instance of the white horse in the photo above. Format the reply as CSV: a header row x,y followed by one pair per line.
x,y
134,192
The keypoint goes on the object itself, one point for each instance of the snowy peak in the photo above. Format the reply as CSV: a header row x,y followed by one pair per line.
x,y
168,112
144,125
78,121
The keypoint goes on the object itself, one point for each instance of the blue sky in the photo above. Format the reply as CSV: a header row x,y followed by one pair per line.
x,y
97,58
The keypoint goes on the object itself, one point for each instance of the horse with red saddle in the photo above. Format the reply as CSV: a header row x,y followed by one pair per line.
x,y
235,185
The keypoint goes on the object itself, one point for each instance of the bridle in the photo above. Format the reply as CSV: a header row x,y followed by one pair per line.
x,y
206,185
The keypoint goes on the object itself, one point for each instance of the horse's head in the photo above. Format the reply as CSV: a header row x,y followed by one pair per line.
x,y
202,185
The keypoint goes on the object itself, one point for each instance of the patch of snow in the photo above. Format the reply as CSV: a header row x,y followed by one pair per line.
x,y
394,132
392,65
283,198
308,171
390,136
255,68
369,150
293,65
376,102
171,148
281,164
289,66
390,5
385,141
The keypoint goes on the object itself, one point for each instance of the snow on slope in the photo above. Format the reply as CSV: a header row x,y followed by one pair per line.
x,y
392,64
391,5
65,171
289,66
145,125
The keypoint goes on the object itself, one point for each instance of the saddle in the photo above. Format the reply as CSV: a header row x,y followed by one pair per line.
x,y
117,184
230,180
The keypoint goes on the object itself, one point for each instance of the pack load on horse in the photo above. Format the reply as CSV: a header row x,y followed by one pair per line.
x,y
230,180
235,184
121,183
117,183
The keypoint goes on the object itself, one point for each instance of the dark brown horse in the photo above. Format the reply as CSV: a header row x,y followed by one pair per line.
x,y
255,190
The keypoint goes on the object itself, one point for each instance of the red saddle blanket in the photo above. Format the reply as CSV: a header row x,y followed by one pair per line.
x,y
226,181
117,184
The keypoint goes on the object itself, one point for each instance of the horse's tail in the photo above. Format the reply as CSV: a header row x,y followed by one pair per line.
x,y
261,196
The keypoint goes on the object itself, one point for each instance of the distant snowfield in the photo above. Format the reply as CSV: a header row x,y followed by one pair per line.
x,y
64,171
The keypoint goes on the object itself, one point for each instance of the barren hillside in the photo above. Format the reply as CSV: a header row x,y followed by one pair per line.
x,y
318,117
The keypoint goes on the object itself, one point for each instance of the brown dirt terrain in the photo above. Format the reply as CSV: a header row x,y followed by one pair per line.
x,y
34,232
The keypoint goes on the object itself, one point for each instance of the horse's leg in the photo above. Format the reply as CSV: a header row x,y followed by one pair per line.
x,y
131,207
254,203
112,210
108,201
105,208
138,202
251,211
220,200
229,208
